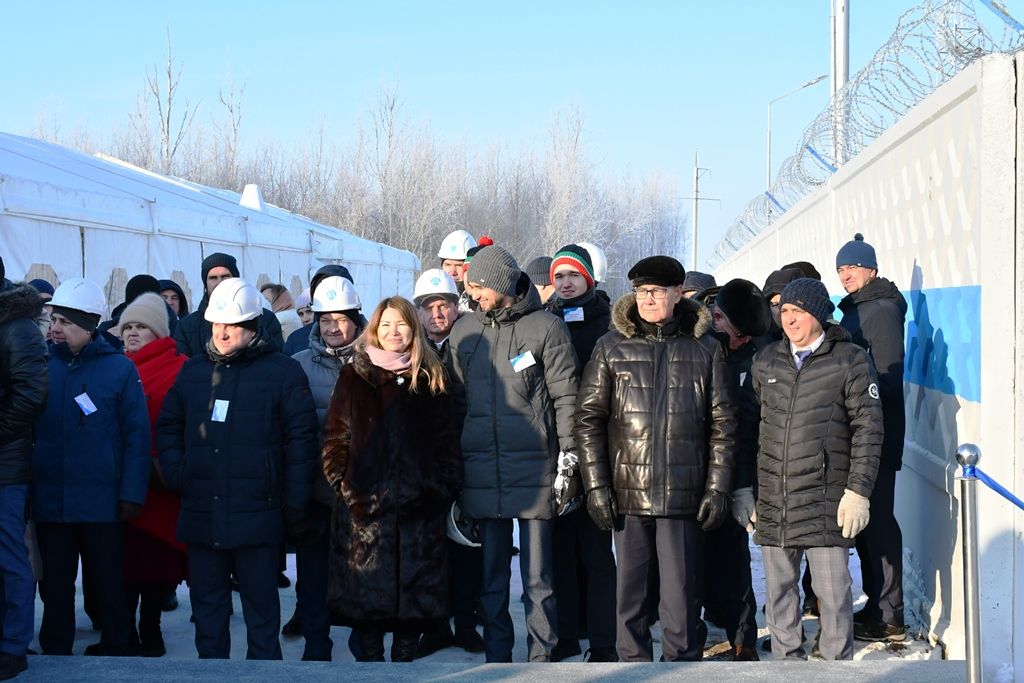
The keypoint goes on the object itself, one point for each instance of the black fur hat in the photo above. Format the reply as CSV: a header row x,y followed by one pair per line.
x,y
745,306
663,271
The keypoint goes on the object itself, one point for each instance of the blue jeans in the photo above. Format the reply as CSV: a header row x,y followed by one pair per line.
x,y
17,585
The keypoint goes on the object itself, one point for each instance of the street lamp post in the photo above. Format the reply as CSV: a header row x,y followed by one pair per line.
x,y
768,166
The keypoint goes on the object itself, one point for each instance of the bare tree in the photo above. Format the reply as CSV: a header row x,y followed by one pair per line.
x,y
163,86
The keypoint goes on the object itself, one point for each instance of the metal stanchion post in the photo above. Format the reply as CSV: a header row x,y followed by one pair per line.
x,y
968,455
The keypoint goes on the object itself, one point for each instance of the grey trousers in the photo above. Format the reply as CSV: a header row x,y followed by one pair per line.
x,y
536,568
830,575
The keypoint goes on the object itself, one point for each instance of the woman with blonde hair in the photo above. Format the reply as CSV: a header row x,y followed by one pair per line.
x,y
391,454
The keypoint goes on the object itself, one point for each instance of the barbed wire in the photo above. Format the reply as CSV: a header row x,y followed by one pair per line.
x,y
932,42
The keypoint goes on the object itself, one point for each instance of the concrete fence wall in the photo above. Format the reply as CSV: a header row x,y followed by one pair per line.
x,y
937,197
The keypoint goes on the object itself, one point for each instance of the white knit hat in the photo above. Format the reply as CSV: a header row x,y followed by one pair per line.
x,y
150,310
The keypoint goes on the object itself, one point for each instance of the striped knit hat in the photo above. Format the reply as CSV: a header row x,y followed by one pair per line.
x,y
577,258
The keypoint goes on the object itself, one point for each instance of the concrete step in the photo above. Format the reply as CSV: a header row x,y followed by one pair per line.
x,y
111,670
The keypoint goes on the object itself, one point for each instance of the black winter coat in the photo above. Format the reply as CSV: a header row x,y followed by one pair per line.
x,y
237,476
23,383
596,321
748,410
392,456
821,433
513,422
875,317
656,413
193,332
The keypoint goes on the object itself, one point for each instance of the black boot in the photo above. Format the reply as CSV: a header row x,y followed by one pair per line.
x,y
293,628
371,642
403,647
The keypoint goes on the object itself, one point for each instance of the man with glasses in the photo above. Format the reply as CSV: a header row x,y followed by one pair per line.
x,y
656,432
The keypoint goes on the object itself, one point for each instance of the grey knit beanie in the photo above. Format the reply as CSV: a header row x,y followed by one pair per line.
x,y
538,269
494,268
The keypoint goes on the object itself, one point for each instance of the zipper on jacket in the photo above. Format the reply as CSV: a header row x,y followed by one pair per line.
x,y
661,419
494,417
785,451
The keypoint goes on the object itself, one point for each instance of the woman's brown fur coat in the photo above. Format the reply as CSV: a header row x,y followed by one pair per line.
x,y
392,457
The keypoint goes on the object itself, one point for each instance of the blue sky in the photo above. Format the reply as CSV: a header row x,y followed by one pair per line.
x,y
656,81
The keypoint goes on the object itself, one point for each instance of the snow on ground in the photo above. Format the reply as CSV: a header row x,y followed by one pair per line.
x,y
179,632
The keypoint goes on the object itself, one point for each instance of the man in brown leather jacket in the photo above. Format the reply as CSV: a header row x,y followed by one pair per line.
x,y
656,430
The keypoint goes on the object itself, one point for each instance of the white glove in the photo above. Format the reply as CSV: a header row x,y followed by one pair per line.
x,y
854,513
743,507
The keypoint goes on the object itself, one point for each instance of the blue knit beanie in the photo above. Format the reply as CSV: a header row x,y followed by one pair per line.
x,y
857,252
809,295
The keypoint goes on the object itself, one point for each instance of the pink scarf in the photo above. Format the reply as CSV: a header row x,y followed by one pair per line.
x,y
389,360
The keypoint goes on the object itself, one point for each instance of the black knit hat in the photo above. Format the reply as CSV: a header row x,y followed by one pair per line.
x,y
87,321
219,260
778,280
663,271
538,269
806,268
809,295
493,267
745,307
140,284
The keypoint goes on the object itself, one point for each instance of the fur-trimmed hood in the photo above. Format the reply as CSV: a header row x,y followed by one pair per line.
x,y
689,318
19,301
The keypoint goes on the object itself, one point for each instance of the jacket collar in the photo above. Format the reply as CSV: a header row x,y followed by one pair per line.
x,y
527,301
690,319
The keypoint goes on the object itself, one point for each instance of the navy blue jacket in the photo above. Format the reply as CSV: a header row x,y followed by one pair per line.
x,y
236,476
82,465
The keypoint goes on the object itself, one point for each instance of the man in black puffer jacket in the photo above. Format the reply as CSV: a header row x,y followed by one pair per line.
x,y
193,332
656,430
23,390
237,438
821,432
874,311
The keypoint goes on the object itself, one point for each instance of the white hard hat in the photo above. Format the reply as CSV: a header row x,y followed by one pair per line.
x,y
597,259
234,301
81,295
335,294
455,245
461,529
434,282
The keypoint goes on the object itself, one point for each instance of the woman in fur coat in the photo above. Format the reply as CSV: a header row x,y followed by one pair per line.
x,y
391,454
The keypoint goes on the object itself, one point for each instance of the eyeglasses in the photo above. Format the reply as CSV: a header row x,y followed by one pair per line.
x,y
656,293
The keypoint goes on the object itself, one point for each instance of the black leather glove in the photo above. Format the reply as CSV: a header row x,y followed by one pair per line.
x,y
714,508
601,508
301,527
127,511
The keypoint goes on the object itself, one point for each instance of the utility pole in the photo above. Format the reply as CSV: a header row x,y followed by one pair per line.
x,y
697,199
840,72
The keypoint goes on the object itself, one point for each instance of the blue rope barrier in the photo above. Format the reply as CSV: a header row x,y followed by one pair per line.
x,y
995,486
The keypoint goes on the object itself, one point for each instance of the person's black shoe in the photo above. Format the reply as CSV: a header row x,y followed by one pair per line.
x,y
404,646
437,637
601,654
811,608
152,645
293,628
283,581
11,665
766,645
564,649
170,602
515,550
469,640
101,650
878,631
864,616
816,650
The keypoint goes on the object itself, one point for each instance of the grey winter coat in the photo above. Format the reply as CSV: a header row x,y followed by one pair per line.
x,y
655,417
513,422
322,367
821,433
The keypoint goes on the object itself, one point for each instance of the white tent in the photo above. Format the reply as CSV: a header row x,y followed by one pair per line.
x,y
67,214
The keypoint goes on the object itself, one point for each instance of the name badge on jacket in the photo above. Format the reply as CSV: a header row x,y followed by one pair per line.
x,y
523,361
573,315
85,403
220,410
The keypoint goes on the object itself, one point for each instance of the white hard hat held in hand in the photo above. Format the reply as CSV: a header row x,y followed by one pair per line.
x,y
234,301
455,245
335,294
